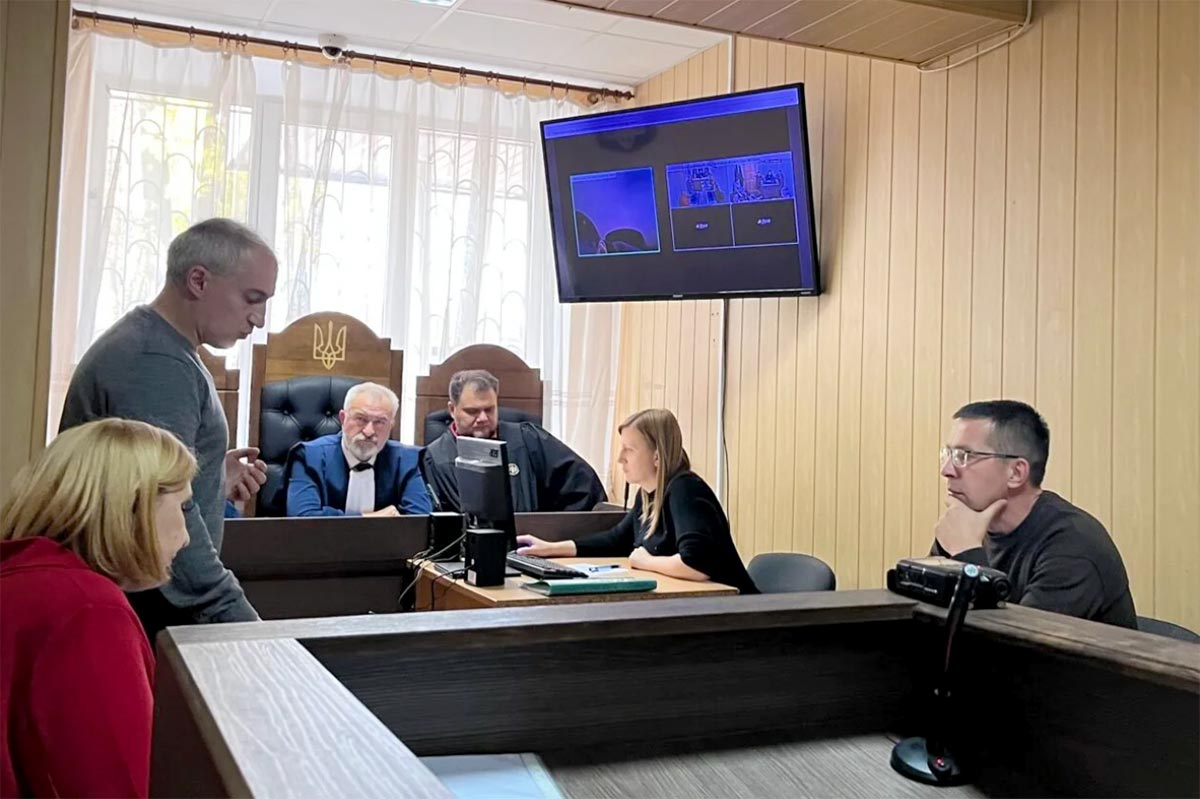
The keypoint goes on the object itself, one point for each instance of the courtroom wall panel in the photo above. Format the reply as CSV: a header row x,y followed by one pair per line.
x,y
33,58
1021,226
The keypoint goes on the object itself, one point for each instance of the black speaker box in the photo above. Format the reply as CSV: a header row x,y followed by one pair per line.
x,y
486,553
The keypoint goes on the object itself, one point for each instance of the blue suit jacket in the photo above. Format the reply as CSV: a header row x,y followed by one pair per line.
x,y
317,478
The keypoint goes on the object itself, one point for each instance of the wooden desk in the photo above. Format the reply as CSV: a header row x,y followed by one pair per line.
x,y
294,568
437,591
311,567
839,766
796,693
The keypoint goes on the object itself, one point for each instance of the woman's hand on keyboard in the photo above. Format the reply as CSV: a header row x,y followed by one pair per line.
x,y
532,545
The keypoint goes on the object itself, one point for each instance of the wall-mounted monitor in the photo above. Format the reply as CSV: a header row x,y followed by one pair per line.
x,y
701,198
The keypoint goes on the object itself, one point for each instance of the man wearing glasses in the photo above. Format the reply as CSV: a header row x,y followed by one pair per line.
x,y
359,471
1057,556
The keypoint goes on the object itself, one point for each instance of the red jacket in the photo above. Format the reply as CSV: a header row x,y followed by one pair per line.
x,y
76,676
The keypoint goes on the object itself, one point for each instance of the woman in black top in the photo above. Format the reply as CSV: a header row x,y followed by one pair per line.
x,y
686,535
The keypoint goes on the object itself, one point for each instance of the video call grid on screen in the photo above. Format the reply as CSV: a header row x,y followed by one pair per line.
x,y
764,244
620,202
761,186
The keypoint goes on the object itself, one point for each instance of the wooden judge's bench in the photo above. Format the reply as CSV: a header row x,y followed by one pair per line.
x,y
787,695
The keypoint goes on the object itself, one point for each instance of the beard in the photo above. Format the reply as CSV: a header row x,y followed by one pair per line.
x,y
364,448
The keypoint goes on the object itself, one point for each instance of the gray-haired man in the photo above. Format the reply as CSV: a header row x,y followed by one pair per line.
x,y
220,275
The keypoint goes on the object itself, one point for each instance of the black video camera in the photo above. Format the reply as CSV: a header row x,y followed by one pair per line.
x,y
933,580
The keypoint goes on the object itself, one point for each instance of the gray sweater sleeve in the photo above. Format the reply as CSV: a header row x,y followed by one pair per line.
x,y
169,393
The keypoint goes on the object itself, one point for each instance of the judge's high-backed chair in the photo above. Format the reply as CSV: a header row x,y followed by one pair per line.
x,y
227,382
521,389
299,383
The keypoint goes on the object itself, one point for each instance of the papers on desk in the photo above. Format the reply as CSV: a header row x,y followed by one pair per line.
x,y
601,584
494,776
593,568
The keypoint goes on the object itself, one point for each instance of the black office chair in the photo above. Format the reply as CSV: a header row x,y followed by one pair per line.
x,y
788,572
294,410
438,422
1167,629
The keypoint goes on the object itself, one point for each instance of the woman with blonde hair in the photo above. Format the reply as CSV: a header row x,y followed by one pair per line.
x,y
99,512
676,526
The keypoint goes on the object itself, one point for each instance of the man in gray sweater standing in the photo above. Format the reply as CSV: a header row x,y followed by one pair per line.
x,y
220,275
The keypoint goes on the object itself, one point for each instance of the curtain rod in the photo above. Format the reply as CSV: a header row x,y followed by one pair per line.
x,y
349,55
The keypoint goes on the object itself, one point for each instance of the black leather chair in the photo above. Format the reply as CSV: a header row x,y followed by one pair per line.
x,y
1166,628
789,572
438,422
295,410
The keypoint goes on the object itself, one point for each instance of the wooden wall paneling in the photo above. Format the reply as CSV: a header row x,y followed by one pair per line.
x,y
33,68
741,63
775,424
625,376
778,436
829,307
1177,333
853,233
987,273
1022,163
902,272
734,363
959,238
757,78
1056,239
1091,382
874,432
929,424
743,428
798,328
1134,255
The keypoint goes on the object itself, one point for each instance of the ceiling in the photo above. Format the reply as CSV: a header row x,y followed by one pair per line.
x,y
536,38
914,31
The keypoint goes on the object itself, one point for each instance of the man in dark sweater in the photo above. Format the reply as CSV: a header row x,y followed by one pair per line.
x,y
220,275
1057,556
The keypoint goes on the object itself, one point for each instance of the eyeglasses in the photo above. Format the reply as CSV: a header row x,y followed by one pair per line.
x,y
363,420
961,457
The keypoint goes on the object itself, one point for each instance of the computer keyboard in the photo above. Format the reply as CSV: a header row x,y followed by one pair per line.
x,y
541,568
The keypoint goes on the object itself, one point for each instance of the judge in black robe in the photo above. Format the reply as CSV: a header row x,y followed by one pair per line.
x,y
546,475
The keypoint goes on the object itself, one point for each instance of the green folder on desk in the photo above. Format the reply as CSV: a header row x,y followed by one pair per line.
x,y
592,585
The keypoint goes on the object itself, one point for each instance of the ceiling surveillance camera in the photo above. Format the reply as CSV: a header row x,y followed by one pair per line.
x,y
332,45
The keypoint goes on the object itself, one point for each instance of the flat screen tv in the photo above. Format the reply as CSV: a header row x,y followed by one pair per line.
x,y
701,198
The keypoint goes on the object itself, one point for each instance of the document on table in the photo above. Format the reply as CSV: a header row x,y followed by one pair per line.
x,y
518,776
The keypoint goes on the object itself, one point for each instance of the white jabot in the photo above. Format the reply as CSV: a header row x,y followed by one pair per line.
x,y
360,493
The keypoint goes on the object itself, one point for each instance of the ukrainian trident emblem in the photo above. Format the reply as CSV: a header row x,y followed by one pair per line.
x,y
327,348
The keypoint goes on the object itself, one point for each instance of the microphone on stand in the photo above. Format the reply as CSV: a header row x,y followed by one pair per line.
x,y
930,759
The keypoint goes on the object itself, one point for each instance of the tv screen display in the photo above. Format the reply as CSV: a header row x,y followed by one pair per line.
x,y
702,198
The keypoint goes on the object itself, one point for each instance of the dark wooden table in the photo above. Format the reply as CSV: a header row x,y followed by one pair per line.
x,y
311,567
800,694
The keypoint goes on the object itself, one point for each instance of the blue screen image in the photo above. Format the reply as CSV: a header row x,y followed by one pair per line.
x,y
615,213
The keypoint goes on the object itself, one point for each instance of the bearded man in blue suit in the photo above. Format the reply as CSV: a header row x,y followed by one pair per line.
x,y
359,471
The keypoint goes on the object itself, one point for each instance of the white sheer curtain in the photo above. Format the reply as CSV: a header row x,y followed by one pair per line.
x,y
417,207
